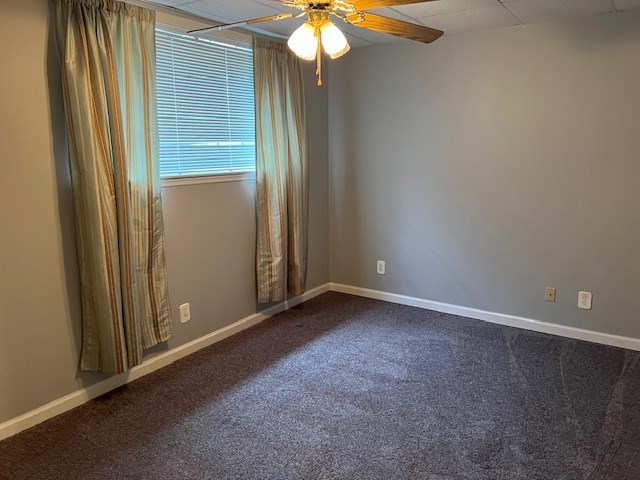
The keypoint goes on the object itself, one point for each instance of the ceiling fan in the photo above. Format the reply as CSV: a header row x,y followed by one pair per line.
x,y
319,33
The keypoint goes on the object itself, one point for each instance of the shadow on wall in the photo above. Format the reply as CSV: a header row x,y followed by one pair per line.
x,y
574,32
345,185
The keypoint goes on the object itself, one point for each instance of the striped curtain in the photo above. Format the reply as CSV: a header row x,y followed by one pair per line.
x,y
281,172
107,51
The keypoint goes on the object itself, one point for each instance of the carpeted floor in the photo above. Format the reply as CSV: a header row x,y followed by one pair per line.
x,y
352,388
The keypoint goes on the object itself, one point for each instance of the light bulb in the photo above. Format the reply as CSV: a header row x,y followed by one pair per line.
x,y
303,42
333,40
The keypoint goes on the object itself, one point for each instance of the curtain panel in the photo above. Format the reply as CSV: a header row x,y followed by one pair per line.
x,y
107,52
282,183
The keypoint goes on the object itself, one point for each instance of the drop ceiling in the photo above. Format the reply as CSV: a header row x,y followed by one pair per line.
x,y
452,16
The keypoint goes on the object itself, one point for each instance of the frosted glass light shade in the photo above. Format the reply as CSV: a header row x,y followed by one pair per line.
x,y
303,42
333,40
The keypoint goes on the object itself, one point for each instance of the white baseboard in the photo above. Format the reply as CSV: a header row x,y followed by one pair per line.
x,y
83,395
492,317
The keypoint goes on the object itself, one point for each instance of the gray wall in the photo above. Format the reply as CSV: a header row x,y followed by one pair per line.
x,y
481,168
487,166
210,228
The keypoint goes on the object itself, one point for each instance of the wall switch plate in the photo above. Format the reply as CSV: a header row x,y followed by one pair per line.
x,y
380,268
549,294
584,300
185,313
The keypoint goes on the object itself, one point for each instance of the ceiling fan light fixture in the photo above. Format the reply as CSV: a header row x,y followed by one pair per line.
x,y
333,40
303,42
319,33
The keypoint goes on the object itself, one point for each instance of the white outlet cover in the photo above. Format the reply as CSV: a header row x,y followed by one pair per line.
x,y
584,300
550,294
185,313
380,267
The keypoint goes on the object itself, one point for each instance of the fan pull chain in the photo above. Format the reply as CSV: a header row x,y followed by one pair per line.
x,y
319,62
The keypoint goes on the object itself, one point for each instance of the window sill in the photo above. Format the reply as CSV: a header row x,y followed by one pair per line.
x,y
231,177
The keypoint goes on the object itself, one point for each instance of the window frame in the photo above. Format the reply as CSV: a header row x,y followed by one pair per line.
x,y
182,25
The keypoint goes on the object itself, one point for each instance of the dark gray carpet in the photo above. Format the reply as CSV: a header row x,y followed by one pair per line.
x,y
352,388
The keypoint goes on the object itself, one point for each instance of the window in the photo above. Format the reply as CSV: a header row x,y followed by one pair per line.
x,y
206,114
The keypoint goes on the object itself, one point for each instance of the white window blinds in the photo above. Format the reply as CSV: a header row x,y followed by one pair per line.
x,y
206,114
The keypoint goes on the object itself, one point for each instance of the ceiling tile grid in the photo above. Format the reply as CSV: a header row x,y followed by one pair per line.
x,y
443,7
538,11
233,10
368,35
452,16
282,27
488,17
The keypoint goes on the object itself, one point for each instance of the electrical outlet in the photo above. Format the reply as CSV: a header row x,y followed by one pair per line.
x,y
185,313
584,300
380,268
550,294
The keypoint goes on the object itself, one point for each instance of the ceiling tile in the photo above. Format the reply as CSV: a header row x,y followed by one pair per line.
x,y
355,42
452,16
268,3
172,3
391,13
536,11
371,36
471,20
626,4
281,27
442,7
233,10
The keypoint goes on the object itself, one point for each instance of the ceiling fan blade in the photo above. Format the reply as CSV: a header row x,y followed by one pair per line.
x,y
395,27
370,4
217,28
